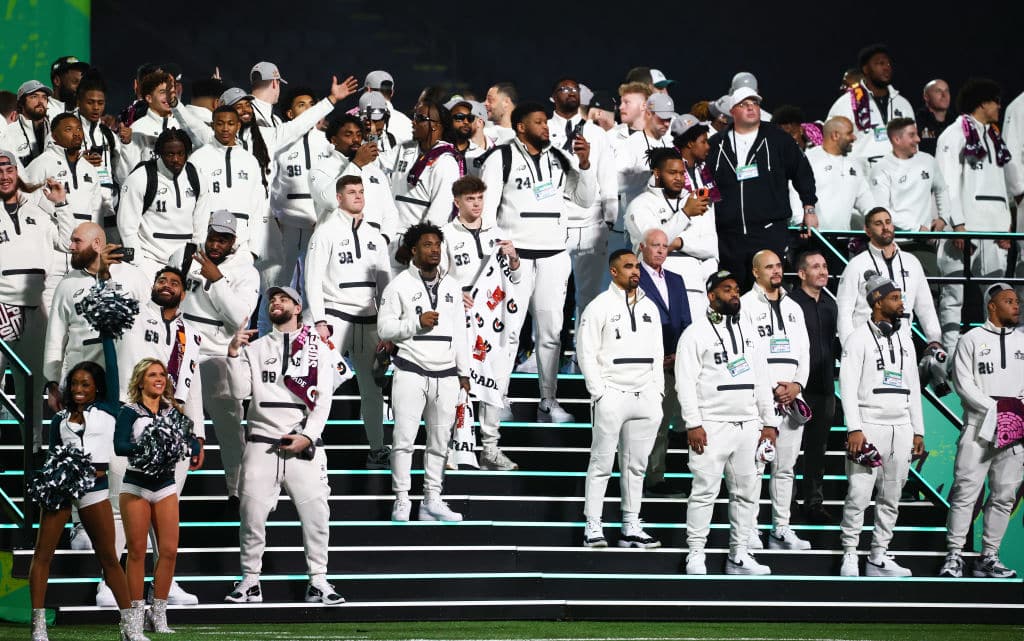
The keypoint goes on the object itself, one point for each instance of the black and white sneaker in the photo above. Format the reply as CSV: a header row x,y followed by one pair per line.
x,y
593,534
246,591
633,536
320,591
953,567
988,566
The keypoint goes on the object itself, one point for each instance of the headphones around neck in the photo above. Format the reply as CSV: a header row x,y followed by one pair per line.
x,y
888,328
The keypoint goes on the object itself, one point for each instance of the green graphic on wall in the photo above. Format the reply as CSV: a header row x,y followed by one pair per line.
x,y
34,33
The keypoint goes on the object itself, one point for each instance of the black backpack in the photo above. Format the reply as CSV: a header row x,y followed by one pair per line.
x,y
506,159
191,173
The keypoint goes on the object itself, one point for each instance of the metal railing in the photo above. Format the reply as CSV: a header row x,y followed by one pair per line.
x,y
25,517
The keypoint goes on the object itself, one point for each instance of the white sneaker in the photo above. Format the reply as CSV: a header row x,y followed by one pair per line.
x,y
400,510
80,538
744,563
850,566
434,509
754,541
549,411
178,596
105,596
593,534
885,565
320,591
783,538
492,458
695,562
633,536
246,591
953,567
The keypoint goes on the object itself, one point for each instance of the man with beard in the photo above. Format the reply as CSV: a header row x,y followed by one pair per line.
x,y
840,181
70,338
500,102
883,256
157,90
781,335
421,312
26,235
352,156
535,179
347,269
686,219
623,370
222,287
907,182
586,227
375,115
288,376
881,395
160,331
64,162
421,180
726,402
872,103
233,176
27,135
175,215
65,74
467,133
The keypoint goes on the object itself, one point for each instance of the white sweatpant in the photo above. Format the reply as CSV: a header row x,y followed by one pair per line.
x,y
264,472
780,484
669,413
977,460
271,265
294,243
588,252
543,283
226,414
730,449
895,444
988,261
60,265
432,399
627,421
359,341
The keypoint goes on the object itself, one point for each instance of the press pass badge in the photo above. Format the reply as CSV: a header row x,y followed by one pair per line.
x,y
746,172
544,190
779,345
892,379
881,135
738,366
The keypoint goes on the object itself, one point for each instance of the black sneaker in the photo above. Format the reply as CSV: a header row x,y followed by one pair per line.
x,y
322,592
246,591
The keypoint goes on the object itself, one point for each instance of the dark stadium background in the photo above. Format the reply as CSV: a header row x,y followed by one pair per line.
x,y
798,50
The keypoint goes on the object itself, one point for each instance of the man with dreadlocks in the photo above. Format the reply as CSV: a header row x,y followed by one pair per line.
x,y
683,214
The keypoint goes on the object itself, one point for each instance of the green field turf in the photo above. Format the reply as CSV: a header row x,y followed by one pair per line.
x,y
596,631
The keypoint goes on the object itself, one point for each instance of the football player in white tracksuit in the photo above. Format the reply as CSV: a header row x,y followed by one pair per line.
x,y
174,216
421,312
881,396
290,375
624,372
469,245
347,269
780,333
988,368
883,256
421,180
528,182
156,90
350,156
586,227
26,234
725,399
687,220
973,160
840,181
222,286
234,182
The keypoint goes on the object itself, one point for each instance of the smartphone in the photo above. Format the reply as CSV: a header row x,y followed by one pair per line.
x,y
703,192
577,131
126,254
96,150
372,138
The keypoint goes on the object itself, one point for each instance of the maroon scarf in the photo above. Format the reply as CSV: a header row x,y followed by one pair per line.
x,y
707,178
177,353
428,159
974,149
861,101
305,386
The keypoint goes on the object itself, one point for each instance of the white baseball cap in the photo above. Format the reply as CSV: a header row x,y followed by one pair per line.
x,y
683,123
741,94
662,106
659,80
32,86
372,105
233,95
222,221
743,79
262,71
375,80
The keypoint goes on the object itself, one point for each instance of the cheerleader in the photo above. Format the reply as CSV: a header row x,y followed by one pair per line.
x,y
149,496
87,423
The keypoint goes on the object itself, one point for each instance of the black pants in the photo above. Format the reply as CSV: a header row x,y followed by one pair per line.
x,y
815,443
736,249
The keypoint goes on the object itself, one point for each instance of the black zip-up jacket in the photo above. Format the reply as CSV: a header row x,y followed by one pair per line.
x,y
821,317
751,204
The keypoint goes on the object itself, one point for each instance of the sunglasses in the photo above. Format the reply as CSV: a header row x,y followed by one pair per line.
x,y
460,117
568,90
418,117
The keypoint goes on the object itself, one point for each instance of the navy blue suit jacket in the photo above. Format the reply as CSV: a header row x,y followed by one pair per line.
x,y
675,312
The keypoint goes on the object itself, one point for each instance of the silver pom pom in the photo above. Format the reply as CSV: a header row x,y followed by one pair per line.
x,y
109,311
67,474
164,443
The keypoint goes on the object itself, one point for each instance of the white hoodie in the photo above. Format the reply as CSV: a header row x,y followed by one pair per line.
x,y
906,186
988,362
977,187
235,184
22,273
379,209
87,200
780,332
873,142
